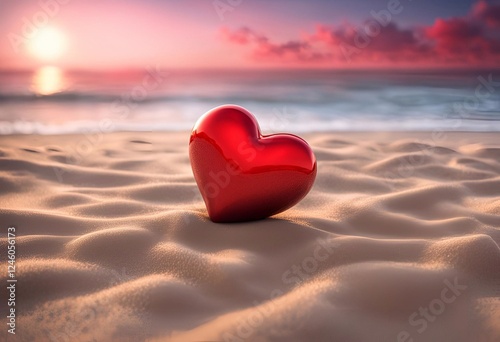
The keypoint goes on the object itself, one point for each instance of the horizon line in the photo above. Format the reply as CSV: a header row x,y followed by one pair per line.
x,y
257,69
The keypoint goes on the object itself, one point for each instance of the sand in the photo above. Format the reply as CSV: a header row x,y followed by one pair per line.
x,y
397,241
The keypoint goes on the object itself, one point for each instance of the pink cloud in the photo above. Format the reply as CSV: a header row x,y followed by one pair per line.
x,y
457,41
264,49
390,43
488,12
465,40
242,36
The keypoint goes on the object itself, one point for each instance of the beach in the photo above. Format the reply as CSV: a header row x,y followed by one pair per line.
x,y
398,240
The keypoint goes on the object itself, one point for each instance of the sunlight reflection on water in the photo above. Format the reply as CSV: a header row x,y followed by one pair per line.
x,y
48,80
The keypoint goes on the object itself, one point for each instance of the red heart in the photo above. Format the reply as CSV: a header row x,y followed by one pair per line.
x,y
243,175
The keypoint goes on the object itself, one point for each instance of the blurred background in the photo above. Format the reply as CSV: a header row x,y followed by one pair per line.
x,y
73,66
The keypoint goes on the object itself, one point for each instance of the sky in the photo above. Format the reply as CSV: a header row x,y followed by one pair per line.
x,y
120,34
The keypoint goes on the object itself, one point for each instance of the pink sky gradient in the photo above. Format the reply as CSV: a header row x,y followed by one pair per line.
x,y
471,40
116,34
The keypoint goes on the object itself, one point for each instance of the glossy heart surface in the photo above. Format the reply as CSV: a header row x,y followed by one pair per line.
x,y
243,175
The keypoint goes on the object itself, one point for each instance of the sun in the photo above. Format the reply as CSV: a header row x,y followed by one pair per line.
x,y
48,44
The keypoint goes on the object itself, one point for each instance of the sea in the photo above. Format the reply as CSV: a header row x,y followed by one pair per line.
x,y
50,100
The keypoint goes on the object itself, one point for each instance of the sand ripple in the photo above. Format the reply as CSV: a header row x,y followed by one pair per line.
x,y
114,244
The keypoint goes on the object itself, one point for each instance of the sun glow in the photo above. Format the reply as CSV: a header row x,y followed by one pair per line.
x,y
48,44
